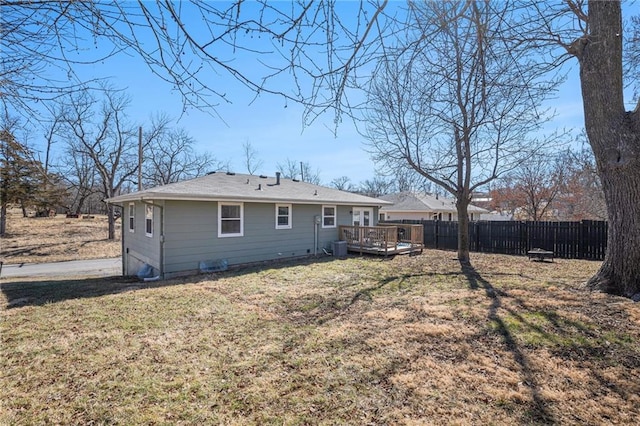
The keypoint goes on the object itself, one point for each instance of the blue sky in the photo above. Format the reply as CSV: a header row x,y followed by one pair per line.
x,y
275,132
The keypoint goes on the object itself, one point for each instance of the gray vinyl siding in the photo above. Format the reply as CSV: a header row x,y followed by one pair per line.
x,y
190,229
138,247
191,234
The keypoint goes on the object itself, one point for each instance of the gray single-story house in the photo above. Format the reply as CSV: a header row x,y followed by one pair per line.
x,y
234,219
423,206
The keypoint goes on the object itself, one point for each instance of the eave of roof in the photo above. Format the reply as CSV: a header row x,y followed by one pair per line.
x,y
248,188
421,203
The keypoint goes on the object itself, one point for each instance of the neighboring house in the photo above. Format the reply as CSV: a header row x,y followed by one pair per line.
x,y
496,216
423,206
235,219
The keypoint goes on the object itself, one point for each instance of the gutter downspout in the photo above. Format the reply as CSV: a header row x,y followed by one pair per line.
x,y
122,259
316,225
161,238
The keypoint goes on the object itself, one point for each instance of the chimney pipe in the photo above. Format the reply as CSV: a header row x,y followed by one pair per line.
x,y
277,178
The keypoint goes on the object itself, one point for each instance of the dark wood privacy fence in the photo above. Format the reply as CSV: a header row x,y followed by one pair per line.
x,y
586,239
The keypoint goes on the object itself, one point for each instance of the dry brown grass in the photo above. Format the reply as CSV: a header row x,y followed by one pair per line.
x,y
57,239
409,340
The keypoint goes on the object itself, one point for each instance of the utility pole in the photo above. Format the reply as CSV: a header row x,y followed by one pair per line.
x,y
140,158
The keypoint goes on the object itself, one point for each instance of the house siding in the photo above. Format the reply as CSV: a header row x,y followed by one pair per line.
x,y
138,247
191,234
400,215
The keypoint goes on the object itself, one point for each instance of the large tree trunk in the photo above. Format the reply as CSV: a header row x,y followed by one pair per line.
x,y
614,135
112,222
463,230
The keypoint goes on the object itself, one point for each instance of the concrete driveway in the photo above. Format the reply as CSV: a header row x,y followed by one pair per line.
x,y
93,268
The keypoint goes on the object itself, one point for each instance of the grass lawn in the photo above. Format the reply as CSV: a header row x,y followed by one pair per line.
x,y
409,340
56,239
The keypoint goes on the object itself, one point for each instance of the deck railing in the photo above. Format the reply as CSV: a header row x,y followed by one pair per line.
x,y
407,233
384,239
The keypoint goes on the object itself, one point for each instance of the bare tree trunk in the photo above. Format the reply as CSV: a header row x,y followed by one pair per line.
x,y
3,219
619,273
463,230
4,194
112,222
614,135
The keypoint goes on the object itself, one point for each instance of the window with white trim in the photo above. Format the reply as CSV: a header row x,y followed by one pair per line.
x,y
328,216
132,217
230,219
148,221
283,216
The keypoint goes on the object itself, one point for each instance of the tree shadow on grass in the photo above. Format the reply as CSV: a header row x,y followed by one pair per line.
x,y
32,251
41,292
318,309
540,412
25,292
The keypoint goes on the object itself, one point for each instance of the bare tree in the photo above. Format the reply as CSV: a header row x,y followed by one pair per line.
x,y
597,39
80,177
186,43
457,100
170,157
614,134
343,183
52,126
534,187
289,170
292,169
101,131
582,196
252,160
376,187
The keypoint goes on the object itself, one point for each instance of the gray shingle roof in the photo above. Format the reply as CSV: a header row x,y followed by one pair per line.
x,y
423,202
242,187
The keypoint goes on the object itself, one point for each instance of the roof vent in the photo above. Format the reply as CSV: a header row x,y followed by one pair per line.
x,y
210,173
296,180
277,178
247,181
231,174
259,187
263,177
316,192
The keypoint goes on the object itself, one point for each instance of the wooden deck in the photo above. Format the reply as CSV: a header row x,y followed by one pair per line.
x,y
387,239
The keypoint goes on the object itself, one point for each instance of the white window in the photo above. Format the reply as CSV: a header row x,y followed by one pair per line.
x,y
230,219
132,217
328,216
148,219
283,216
